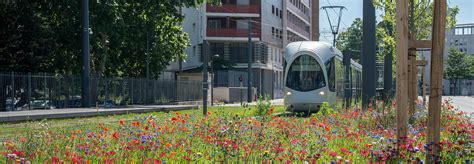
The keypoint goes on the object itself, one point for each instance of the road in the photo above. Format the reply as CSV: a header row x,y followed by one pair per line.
x,y
464,103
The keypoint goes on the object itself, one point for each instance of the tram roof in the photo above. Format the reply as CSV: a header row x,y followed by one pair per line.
x,y
324,50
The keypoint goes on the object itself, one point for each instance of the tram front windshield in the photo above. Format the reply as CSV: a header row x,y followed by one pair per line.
x,y
305,74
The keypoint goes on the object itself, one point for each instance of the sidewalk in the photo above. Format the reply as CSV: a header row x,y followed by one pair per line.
x,y
274,102
31,115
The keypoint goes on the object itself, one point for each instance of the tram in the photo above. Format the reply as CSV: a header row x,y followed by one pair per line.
x,y
314,73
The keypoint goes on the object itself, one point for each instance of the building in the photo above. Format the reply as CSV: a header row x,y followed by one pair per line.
x,y
461,36
274,23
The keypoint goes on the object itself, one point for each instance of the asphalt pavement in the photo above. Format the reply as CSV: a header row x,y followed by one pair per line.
x,y
464,103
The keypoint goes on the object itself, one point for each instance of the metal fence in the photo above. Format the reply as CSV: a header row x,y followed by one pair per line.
x,y
27,91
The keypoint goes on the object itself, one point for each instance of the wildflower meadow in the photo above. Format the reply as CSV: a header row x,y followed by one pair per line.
x,y
255,134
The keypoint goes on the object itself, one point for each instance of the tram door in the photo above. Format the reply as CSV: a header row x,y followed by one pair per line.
x,y
331,79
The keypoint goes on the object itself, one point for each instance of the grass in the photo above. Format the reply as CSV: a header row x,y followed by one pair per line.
x,y
10,130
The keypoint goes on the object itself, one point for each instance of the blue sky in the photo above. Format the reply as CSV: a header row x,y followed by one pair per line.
x,y
354,10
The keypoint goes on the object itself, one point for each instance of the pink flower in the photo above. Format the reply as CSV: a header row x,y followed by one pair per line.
x,y
333,153
343,150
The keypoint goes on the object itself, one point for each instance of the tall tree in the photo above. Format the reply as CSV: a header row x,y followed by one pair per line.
x,y
351,40
458,66
46,35
423,19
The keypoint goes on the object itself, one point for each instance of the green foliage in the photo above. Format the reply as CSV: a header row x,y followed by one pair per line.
x,y
326,109
264,107
457,66
124,35
351,40
472,63
422,16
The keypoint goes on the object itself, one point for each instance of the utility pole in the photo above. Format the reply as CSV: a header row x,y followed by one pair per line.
x,y
436,82
334,28
205,86
249,60
368,57
85,55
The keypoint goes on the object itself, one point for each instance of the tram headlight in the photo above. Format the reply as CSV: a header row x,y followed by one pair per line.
x,y
321,93
288,93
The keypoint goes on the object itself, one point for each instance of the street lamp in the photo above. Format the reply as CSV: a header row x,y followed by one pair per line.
x,y
212,78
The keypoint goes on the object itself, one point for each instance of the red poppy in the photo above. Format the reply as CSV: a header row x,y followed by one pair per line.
x,y
333,153
116,135
321,125
122,122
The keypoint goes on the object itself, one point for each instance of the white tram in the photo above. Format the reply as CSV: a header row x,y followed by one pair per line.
x,y
314,73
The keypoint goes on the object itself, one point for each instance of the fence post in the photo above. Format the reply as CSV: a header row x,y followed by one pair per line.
x,y
131,90
13,92
29,91
44,89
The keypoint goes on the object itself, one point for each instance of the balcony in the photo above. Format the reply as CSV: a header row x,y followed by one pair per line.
x,y
231,32
298,12
298,29
232,8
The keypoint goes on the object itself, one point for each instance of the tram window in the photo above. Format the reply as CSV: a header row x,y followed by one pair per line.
x,y
331,73
305,74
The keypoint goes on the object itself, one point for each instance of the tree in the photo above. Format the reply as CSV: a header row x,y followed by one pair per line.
x,y
423,18
457,67
46,36
351,40
472,64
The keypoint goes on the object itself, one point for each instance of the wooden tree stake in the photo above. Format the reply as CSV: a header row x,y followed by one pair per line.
x,y
434,113
402,70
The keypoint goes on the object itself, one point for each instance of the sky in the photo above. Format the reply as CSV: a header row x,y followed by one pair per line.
x,y
354,10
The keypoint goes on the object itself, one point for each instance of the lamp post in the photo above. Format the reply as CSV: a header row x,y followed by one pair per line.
x,y
212,78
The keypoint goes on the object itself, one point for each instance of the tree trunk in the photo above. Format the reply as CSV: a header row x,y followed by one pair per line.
x,y
455,86
99,70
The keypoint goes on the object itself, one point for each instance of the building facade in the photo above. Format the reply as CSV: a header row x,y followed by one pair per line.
x,y
460,37
273,23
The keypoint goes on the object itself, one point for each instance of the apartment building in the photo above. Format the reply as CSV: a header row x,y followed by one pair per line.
x,y
274,24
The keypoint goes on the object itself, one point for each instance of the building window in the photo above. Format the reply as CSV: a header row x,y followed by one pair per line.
x,y
276,11
213,23
281,14
276,30
281,34
467,31
273,9
458,31
273,31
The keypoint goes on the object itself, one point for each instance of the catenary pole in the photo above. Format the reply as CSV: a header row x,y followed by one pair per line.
x,y
368,57
85,95
205,86
249,63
